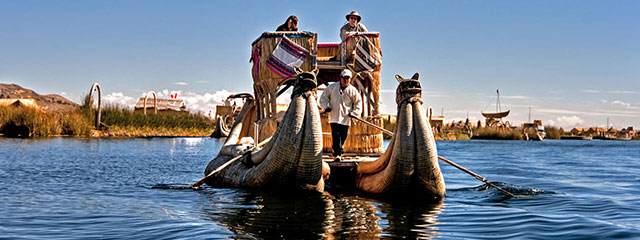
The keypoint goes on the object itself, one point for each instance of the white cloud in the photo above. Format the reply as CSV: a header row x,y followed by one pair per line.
x,y
567,121
618,102
623,92
612,91
603,101
180,83
516,97
202,81
117,98
590,113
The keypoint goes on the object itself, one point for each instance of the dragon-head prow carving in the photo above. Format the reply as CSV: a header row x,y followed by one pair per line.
x,y
305,81
408,89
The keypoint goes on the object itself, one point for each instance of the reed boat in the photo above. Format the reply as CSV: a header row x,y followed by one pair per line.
x,y
291,157
410,163
290,148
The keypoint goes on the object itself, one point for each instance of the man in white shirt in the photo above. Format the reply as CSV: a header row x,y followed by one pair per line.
x,y
341,100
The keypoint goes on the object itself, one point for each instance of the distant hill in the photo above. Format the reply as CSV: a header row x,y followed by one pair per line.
x,y
50,102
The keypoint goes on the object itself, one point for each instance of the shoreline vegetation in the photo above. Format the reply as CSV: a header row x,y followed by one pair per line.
x,y
118,122
18,121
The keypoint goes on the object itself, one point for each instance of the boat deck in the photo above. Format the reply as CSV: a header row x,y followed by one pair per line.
x,y
349,160
343,173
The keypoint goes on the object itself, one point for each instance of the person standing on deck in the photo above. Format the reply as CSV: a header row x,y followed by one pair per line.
x,y
353,25
341,100
290,25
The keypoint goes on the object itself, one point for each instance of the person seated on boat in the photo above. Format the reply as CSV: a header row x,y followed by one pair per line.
x,y
353,25
342,101
291,24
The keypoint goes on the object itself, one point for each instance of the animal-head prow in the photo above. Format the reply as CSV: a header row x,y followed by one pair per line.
x,y
408,88
305,81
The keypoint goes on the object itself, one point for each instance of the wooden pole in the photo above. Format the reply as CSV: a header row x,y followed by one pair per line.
x,y
447,161
373,125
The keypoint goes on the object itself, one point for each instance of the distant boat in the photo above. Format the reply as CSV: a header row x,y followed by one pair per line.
x,y
499,113
619,138
496,114
567,137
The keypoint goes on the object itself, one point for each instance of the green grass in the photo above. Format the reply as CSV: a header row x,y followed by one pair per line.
x,y
497,133
553,132
117,116
29,122
116,121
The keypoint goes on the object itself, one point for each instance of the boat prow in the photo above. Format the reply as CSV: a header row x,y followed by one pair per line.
x,y
496,114
410,163
291,159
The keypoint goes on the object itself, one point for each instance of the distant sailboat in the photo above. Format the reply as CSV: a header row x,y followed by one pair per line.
x,y
499,113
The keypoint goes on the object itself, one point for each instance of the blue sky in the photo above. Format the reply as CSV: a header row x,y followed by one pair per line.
x,y
572,62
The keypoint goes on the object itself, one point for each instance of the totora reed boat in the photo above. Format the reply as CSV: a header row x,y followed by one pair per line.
x,y
278,148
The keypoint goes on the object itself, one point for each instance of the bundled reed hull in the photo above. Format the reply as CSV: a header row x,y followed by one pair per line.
x,y
292,159
410,163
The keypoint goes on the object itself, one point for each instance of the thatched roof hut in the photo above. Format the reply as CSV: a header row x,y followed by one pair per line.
x,y
19,102
176,105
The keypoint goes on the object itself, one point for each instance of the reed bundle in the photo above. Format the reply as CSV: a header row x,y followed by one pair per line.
x,y
265,81
360,139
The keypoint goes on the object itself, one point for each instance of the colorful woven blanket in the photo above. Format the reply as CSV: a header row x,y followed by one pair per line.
x,y
285,56
367,56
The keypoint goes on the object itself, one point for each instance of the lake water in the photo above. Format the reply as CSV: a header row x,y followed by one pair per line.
x,y
69,188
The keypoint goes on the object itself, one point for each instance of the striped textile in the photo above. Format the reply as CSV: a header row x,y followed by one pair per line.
x,y
285,56
367,56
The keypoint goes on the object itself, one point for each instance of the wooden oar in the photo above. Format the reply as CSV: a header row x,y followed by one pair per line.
x,y
373,125
445,160
201,181
477,176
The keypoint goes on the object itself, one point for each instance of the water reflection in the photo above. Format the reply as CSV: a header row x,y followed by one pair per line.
x,y
411,220
318,216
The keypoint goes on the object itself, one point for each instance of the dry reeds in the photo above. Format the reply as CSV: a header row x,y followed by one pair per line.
x,y
553,132
360,139
29,122
497,134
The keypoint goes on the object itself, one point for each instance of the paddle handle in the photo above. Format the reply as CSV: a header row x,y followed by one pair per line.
x,y
223,166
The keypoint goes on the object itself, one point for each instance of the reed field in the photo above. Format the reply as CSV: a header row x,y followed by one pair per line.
x,y
553,132
29,122
115,122
497,133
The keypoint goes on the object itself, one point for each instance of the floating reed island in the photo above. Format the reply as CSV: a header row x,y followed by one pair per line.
x,y
32,120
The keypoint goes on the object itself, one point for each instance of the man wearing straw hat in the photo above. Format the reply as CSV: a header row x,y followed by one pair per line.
x,y
341,100
353,25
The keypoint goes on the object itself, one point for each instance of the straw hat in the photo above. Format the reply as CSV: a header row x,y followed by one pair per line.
x,y
354,13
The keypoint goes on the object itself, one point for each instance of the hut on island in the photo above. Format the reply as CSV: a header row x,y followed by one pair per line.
x,y
162,105
19,102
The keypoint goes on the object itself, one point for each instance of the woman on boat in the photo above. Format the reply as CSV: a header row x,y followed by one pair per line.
x,y
290,25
